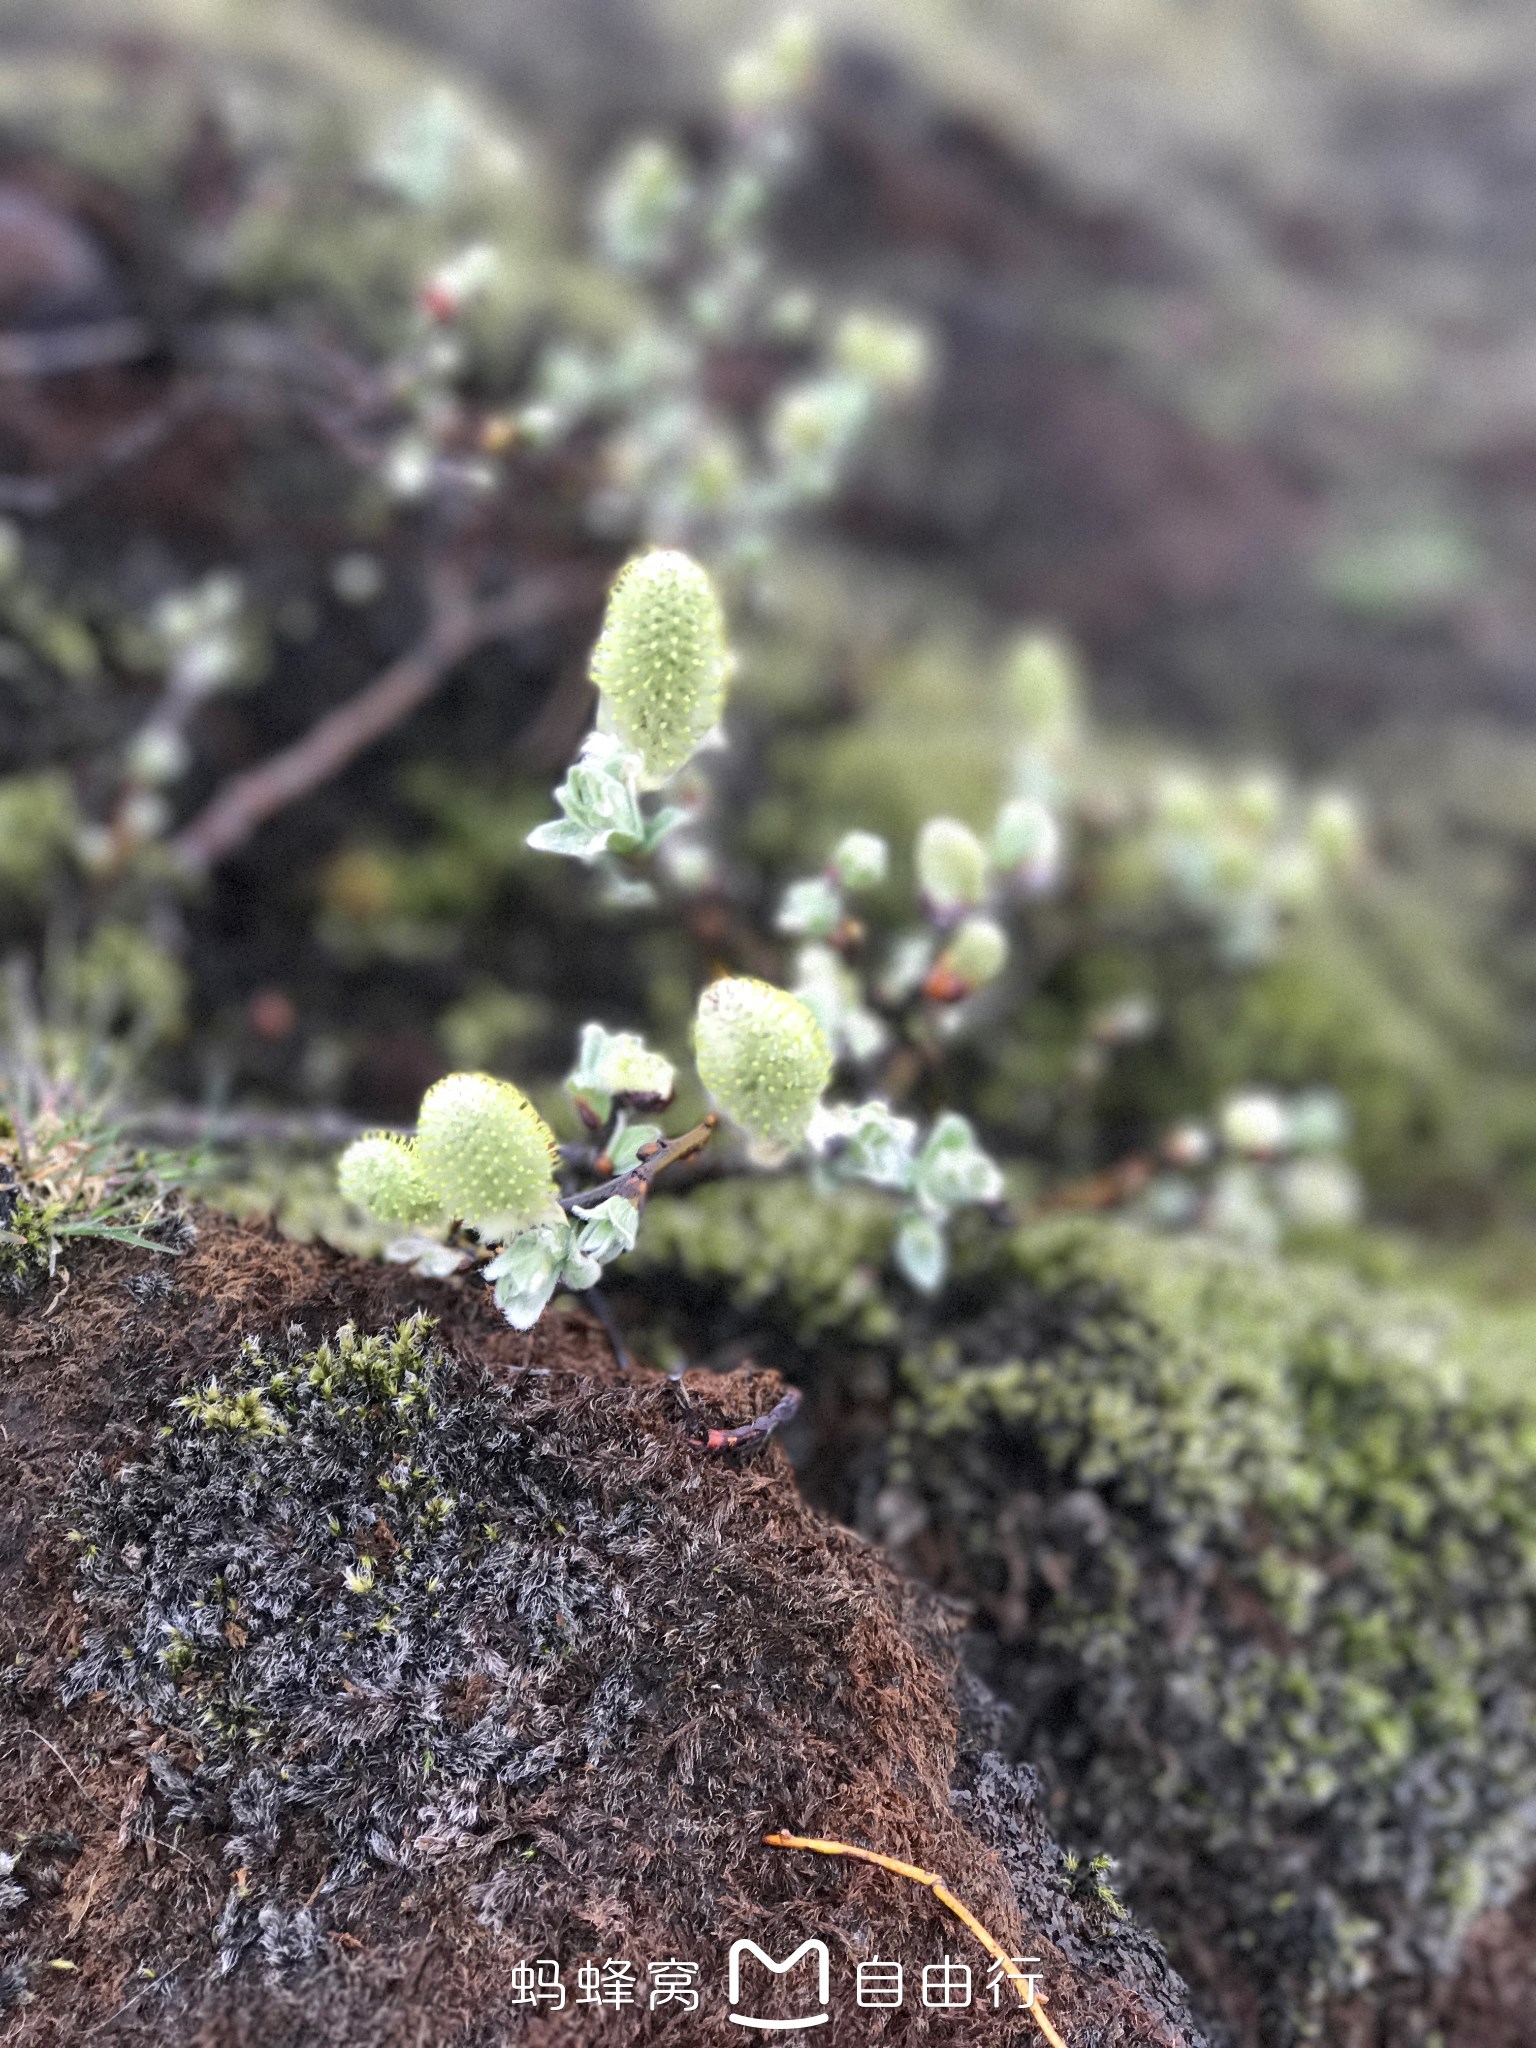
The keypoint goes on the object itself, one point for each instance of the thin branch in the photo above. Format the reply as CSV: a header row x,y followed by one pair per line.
x,y
757,1431
634,1184
175,1125
1028,1997
40,495
244,367
457,627
60,351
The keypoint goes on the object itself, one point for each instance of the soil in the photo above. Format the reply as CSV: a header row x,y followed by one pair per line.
x,y
825,1701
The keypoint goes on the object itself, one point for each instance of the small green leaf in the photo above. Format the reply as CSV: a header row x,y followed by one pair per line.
x,y
921,1253
611,1229
526,1272
953,1170
617,1066
811,909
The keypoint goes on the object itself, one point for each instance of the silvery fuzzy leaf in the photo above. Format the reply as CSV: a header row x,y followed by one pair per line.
x,y
526,1272
952,1169
611,1229
866,1142
810,909
579,1270
906,967
921,1253
426,1257
565,836
860,860
657,828
617,1063
601,801
863,1035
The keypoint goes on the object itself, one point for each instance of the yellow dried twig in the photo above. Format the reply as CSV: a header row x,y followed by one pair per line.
x,y
945,1897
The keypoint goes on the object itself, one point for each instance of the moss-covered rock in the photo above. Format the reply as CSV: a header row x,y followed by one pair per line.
x,y
415,1651
1254,1551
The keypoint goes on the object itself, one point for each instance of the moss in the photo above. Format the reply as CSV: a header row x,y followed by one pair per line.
x,y
1254,1551
26,1237
813,1262
38,822
372,1542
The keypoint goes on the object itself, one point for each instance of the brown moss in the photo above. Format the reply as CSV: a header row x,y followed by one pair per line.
x,y
823,1701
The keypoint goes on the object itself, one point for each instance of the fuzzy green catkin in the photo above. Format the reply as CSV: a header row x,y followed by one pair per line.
x,y
661,663
382,1174
763,1057
977,953
1043,689
486,1153
951,866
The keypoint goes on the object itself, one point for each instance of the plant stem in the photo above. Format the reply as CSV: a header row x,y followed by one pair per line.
x,y
634,1184
457,626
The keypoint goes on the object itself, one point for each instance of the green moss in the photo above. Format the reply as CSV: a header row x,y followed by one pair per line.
x,y
26,1238
38,822
1254,1549
813,1261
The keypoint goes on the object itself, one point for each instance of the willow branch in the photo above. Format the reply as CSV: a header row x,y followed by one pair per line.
x,y
755,1432
456,628
634,1184
173,1124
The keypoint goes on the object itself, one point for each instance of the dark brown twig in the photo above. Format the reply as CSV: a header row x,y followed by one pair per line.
x,y
757,1431
39,495
634,1184
457,627
240,366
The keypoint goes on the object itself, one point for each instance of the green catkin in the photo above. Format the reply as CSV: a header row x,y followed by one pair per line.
x,y
977,953
763,1057
951,865
382,1174
486,1153
661,663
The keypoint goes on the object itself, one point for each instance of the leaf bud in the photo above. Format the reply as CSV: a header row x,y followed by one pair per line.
x,y
810,909
1028,845
1043,689
891,356
641,205
777,71
1255,1122
860,860
977,954
1336,832
951,867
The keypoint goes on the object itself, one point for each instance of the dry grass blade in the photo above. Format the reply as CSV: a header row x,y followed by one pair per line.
x,y
820,1846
